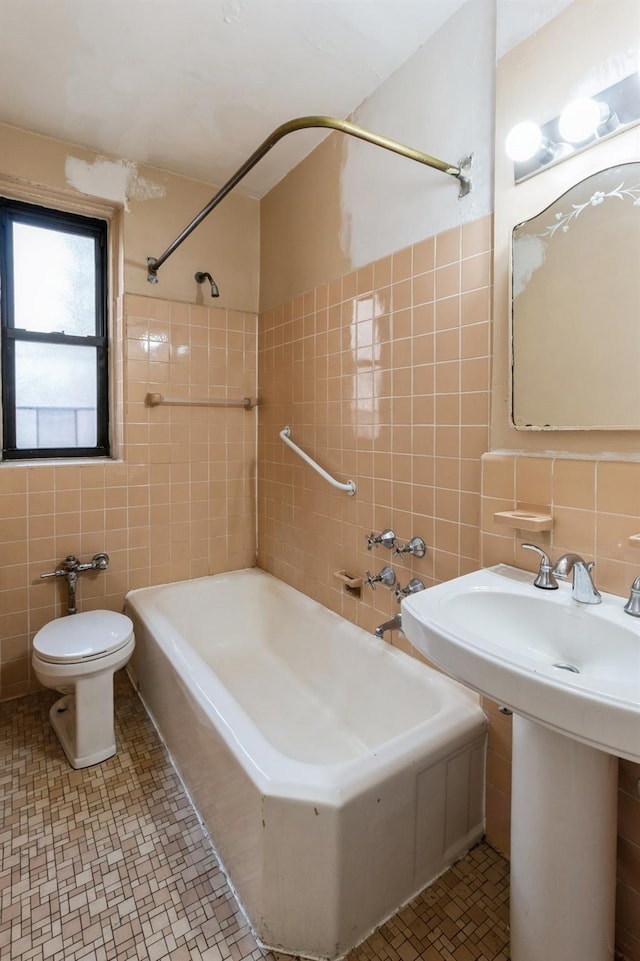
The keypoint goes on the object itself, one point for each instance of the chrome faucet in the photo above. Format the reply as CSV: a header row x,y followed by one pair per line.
x,y
414,585
633,604
584,590
395,624
387,538
416,547
385,576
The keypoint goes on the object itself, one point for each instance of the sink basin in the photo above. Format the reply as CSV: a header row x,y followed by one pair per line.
x,y
572,667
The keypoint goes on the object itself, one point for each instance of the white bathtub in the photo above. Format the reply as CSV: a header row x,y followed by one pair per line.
x,y
336,775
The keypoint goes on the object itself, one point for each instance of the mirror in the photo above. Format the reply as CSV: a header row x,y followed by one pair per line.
x,y
575,319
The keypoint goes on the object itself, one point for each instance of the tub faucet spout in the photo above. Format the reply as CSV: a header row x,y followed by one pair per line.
x,y
395,624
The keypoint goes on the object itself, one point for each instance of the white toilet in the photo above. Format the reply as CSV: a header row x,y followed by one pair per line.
x,y
78,655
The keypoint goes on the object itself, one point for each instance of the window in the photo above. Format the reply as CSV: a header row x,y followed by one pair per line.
x,y
53,309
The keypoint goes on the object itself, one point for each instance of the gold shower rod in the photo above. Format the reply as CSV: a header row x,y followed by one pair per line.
x,y
461,171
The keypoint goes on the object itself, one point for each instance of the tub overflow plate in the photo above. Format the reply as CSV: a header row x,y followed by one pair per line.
x,y
564,666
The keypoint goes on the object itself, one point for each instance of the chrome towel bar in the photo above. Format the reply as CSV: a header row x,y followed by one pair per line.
x,y
349,487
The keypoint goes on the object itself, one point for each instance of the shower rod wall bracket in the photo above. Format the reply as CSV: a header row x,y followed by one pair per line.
x,y
461,171
152,276
466,183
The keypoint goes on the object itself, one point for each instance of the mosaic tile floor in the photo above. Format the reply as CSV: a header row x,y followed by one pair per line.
x,y
111,863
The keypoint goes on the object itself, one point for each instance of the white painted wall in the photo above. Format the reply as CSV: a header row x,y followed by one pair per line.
x,y
518,19
441,101
194,86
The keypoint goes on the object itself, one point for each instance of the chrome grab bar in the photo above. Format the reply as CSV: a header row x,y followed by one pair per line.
x,y
349,487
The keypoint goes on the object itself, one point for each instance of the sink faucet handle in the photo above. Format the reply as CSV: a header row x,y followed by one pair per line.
x,y
633,604
545,578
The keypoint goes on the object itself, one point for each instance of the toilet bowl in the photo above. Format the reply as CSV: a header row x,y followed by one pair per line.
x,y
78,656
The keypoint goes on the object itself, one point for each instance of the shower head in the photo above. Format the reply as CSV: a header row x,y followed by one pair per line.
x,y
201,276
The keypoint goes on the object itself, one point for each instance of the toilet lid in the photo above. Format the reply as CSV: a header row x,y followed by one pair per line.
x,y
81,637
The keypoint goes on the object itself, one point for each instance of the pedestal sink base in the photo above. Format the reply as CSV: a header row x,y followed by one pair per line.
x,y
563,847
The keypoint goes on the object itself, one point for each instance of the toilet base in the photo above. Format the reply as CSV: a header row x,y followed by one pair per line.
x,y
63,718
83,718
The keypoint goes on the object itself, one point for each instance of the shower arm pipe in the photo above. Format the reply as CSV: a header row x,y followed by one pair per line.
x,y
461,171
349,487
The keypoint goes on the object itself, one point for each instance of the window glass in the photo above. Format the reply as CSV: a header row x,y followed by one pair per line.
x,y
54,280
55,395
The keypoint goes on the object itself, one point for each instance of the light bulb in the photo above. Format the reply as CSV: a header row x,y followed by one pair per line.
x,y
580,119
523,141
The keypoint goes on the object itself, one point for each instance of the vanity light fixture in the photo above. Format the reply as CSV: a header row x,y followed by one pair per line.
x,y
525,142
584,118
583,122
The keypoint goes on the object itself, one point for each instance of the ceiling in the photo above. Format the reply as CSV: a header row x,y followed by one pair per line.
x,y
194,86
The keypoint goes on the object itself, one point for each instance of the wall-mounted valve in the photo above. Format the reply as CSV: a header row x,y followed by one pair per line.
x,y
71,567
387,538
415,547
385,576
412,587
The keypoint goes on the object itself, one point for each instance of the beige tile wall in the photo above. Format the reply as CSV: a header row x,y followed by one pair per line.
x,y
383,376
180,503
596,508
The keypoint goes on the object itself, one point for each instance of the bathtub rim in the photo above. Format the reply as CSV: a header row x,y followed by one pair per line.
x,y
458,718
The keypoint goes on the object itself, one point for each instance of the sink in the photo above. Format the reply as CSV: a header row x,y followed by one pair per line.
x,y
570,673
572,667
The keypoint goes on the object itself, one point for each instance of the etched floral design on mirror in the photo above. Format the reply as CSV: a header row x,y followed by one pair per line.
x,y
575,295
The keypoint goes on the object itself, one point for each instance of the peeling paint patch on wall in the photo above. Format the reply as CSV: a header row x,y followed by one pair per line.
x,y
528,256
115,180
412,202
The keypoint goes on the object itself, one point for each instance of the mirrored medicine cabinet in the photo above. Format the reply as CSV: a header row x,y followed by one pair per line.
x,y
575,308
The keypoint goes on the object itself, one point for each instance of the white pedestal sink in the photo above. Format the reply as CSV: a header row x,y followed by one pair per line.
x,y
563,847
571,674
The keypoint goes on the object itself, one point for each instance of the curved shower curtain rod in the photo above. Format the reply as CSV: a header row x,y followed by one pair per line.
x,y
461,171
